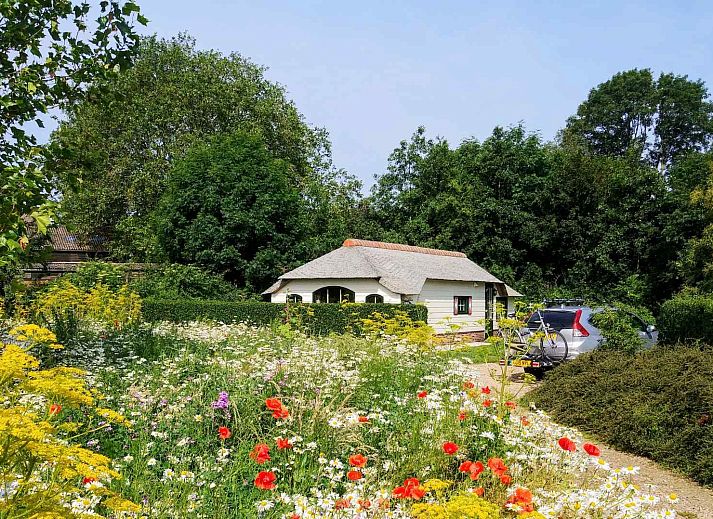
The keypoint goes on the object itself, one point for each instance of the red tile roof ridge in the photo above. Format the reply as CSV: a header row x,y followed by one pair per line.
x,y
351,242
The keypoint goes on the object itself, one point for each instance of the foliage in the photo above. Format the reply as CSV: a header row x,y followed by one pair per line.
x,y
543,218
242,422
233,208
320,319
49,53
618,330
92,273
63,301
399,324
176,281
656,403
44,471
173,98
687,316
633,113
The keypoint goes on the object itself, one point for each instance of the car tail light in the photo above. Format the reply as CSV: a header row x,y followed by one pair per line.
x,y
577,329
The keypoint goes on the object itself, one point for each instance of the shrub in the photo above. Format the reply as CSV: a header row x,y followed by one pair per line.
x,y
657,403
63,302
619,330
93,273
45,471
687,316
319,319
177,281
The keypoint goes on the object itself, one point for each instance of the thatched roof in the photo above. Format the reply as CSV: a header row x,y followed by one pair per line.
x,y
403,269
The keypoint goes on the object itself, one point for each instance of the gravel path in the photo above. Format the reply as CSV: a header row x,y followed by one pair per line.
x,y
695,501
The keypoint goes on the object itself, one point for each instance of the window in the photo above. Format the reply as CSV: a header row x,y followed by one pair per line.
x,y
294,298
333,295
462,305
557,319
374,298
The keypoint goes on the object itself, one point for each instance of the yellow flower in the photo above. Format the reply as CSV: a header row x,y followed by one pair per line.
x,y
461,506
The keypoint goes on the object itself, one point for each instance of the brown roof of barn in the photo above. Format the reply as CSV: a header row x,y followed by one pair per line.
x,y
61,240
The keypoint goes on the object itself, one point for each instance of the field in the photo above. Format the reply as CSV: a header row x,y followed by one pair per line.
x,y
234,421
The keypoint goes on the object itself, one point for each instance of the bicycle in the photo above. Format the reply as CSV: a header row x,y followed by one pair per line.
x,y
543,343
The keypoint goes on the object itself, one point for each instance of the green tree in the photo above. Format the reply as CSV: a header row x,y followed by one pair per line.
x,y
234,208
632,113
124,141
49,52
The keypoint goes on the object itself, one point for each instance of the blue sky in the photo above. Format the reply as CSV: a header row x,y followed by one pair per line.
x,y
372,72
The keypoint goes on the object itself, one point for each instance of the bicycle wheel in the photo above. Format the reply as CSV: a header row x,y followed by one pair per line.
x,y
553,346
519,345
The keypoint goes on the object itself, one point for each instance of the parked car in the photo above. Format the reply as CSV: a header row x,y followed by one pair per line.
x,y
575,324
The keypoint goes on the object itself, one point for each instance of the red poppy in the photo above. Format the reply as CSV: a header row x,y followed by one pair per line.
x,y
283,443
363,419
261,453
567,444
88,479
591,449
273,404
411,489
462,415
294,516
524,421
281,413
510,404
505,480
497,465
485,390
357,460
479,491
487,403
522,498
422,394
265,480
354,475
473,468
224,433
364,503
55,409
468,384
450,448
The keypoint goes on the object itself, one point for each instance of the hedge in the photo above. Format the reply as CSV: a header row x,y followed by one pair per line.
x,y
657,403
687,317
324,318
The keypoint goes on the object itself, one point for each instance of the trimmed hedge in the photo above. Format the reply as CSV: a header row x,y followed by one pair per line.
x,y
687,317
657,403
324,318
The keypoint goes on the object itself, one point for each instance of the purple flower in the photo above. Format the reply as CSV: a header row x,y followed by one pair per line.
x,y
222,402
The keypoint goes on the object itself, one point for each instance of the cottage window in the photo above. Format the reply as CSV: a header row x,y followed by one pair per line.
x,y
374,298
462,305
294,298
333,295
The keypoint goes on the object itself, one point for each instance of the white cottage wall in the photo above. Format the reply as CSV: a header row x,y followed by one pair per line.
x,y
360,287
438,297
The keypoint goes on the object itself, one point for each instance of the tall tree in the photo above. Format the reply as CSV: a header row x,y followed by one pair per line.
x,y
124,141
632,113
231,206
49,52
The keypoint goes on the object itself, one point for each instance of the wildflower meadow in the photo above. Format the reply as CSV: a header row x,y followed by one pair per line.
x,y
212,420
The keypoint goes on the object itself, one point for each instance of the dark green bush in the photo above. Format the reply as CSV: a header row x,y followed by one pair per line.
x,y
687,317
657,403
91,273
176,281
319,319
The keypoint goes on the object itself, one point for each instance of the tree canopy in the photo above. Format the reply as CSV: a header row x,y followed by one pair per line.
x,y
660,119
50,52
124,141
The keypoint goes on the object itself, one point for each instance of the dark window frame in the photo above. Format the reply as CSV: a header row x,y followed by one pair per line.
x,y
462,305
379,299
333,294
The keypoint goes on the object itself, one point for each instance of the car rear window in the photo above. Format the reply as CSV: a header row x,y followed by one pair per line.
x,y
557,319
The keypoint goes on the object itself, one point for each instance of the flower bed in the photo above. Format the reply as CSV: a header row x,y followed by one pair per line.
x,y
242,422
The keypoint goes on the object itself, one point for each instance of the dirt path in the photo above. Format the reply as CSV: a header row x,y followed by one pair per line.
x,y
695,501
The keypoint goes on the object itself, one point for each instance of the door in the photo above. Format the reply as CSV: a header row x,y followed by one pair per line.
x,y
489,306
